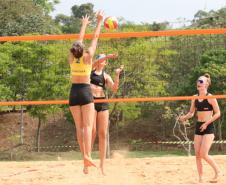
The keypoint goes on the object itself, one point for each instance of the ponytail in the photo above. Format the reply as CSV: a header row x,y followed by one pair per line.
x,y
208,78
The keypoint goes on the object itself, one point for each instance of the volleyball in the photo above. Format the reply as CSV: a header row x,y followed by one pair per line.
x,y
111,23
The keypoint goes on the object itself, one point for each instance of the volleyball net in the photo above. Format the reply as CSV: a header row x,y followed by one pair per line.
x,y
159,77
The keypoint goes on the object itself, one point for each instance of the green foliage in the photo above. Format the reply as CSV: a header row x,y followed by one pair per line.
x,y
157,66
47,5
211,19
19,17
82,10
72,24
32,71
127,26
140,78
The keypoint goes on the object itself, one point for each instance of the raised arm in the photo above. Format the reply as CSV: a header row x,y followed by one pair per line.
x,y
93,45
77,47
113,85
85,22
190,114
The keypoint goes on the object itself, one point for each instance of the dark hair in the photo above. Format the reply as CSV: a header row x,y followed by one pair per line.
x,y
208,78
77,49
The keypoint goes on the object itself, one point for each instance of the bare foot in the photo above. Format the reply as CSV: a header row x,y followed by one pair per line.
x,y
102,170
200,180
89,162
214,180
85,170
216,177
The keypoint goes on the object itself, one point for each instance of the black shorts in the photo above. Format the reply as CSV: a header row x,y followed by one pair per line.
x,y
80,94
101,106
209,128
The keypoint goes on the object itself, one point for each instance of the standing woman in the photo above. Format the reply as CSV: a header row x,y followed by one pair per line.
x,y
81,98
99,81
207,112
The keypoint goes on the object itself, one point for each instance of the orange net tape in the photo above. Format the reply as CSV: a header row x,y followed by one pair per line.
x,y
115,35
151,99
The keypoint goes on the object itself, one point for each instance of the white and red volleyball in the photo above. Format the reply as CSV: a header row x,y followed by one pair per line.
x,y
111,23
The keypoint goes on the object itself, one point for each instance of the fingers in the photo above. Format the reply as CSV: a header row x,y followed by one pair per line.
x,y
100,14
86,17
97,13
202,128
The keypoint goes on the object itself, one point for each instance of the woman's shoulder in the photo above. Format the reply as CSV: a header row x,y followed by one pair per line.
x,y
105,74
194,100
87,57
210,100
70,58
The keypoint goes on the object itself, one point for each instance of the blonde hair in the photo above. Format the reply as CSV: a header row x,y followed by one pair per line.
x,y
208,78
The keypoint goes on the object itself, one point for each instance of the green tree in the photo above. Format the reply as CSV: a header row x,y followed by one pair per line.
x,y
47,5
19,17
82,10
213,62
71,24
5,93
211,19
31,71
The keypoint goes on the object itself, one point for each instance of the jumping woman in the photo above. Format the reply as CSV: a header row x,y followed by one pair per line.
x,y
100,80
81,98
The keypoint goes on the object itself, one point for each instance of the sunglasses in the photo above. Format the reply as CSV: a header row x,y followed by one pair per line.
x,y
200,81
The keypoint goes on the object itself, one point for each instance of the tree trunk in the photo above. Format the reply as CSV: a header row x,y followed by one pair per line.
x,y
21,125
38,134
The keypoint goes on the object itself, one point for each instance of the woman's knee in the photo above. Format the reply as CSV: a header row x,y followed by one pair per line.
x,y
198,155
203,154
79,130
102,134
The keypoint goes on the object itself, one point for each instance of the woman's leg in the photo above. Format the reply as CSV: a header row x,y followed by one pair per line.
x,y
102,122
94,131
197,146
87,117
77,116
204,152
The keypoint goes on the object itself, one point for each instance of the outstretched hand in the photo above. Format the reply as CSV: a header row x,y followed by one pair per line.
x,y
100,15
119,70
85,20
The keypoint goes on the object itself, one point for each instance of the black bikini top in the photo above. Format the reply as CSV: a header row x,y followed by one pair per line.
x,y
203,105
98,80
